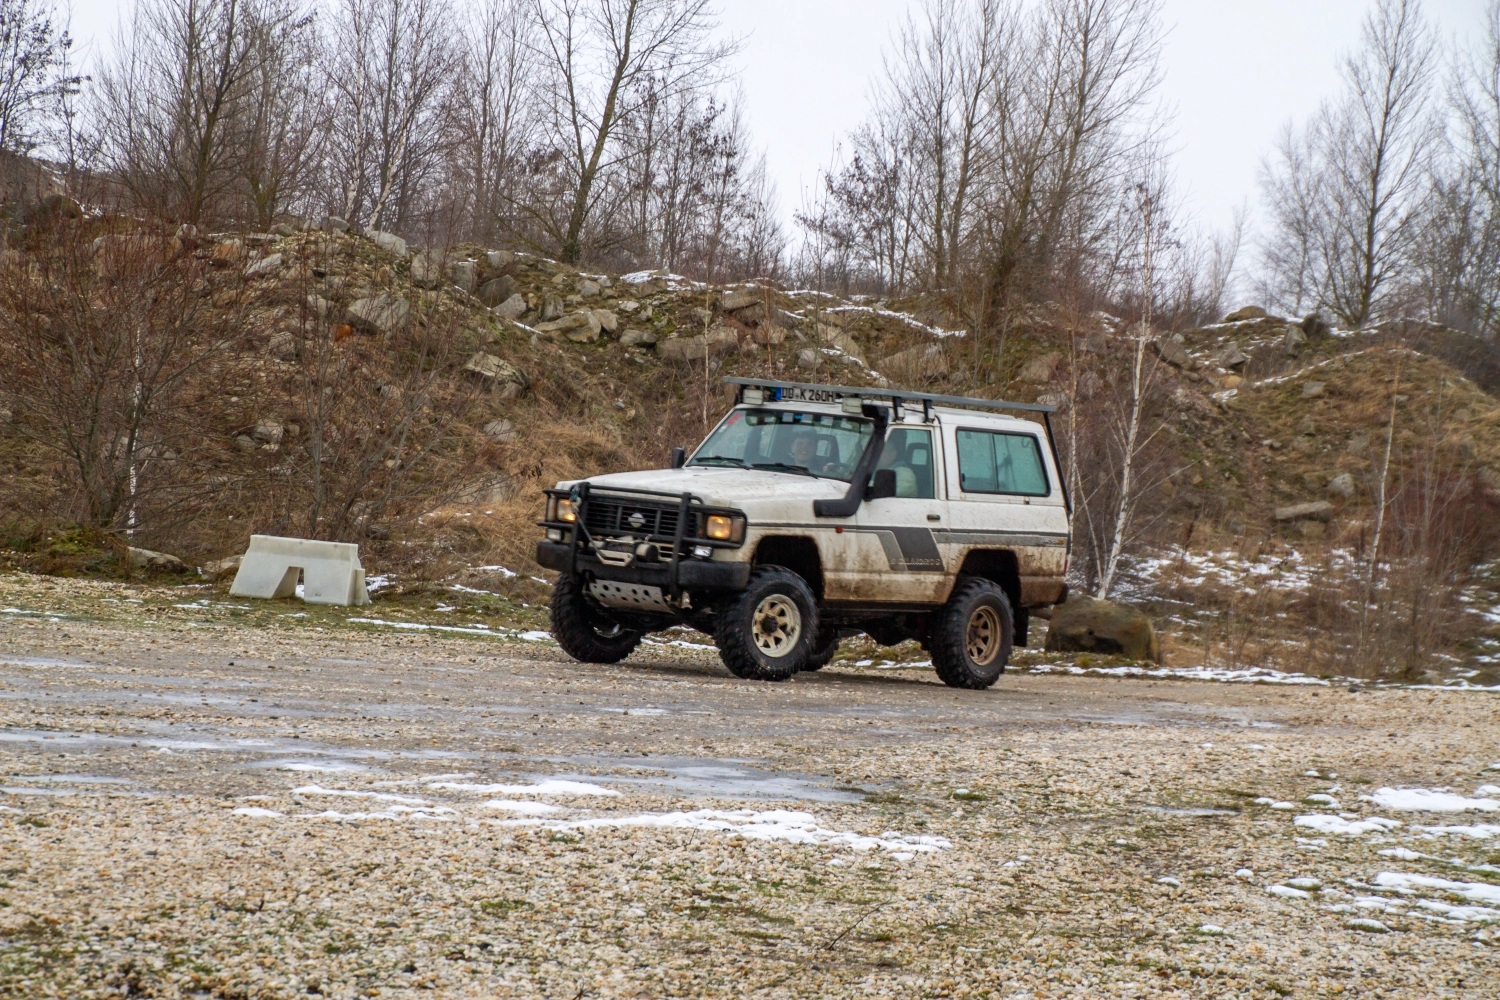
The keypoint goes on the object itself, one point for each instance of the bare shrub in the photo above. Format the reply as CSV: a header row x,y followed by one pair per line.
x,y
106,341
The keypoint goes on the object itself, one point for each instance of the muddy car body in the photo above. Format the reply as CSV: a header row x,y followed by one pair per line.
x,y
812,512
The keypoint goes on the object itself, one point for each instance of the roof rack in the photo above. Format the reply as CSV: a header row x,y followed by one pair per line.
x,y
808,392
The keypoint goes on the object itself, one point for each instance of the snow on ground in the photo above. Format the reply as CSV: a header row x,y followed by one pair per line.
x,y
775,824
499,632
1429,800
1345,827
1250,675
551,786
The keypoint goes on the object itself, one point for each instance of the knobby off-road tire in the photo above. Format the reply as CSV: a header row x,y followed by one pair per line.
x,y
584,632
823,650
972,635
766,631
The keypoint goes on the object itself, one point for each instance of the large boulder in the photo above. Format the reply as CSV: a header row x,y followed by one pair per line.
x,y
1317,510
147,559
1315,326
384,314
1040,369
389,242
736,299
719,340
512,308
1090,625
1247,313
497,290
1171,351
581,327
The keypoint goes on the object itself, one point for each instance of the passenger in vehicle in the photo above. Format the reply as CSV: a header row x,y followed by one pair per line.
x,y
894,457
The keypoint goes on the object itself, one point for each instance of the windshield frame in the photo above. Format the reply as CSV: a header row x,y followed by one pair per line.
x,y
866,431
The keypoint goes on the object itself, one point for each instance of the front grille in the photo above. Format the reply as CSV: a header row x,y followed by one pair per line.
x,y
609,517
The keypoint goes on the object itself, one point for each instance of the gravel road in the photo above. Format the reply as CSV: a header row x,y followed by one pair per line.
x,y
230,811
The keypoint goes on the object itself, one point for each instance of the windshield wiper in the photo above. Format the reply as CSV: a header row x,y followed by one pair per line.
x,y
801,470
706,459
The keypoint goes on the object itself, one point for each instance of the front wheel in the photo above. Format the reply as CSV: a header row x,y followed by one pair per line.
x,y
972,635
585,633
766,631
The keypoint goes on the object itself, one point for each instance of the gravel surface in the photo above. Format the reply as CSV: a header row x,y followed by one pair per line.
x,y
219,809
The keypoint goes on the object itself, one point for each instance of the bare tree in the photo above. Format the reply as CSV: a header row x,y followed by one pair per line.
x,y
33,71
493,117
174,100
1366,160
595,53
284,112
391,62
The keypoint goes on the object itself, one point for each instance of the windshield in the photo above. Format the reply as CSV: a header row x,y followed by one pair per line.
x,y
819,444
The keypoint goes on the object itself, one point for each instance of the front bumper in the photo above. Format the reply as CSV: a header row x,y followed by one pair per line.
x,y
692,574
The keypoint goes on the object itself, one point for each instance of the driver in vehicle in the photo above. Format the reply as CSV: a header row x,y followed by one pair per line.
x,y
805,454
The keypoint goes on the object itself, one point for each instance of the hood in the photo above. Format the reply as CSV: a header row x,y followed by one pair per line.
x,y
744,489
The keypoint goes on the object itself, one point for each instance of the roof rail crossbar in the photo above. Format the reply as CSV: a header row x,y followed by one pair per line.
x,y
900,396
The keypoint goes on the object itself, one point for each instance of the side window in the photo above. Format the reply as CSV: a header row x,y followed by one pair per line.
x,y
990,462
908,451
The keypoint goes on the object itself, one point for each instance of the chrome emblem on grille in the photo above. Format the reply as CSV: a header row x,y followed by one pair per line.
x,y
637,520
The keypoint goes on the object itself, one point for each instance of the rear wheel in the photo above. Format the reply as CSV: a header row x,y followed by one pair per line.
x,y
584,631
972,635
766,631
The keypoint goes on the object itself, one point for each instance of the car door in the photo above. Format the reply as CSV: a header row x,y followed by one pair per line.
x,y
903,562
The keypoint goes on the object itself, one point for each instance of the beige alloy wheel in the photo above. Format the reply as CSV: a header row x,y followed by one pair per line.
x,y
778,625
982,641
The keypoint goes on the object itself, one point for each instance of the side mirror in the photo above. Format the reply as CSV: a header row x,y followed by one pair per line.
x,y
882,485
679,457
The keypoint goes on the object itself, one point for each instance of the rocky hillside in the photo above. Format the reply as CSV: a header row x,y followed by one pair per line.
x,y
506,372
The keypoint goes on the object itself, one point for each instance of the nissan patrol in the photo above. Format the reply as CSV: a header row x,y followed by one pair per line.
x,y
812,513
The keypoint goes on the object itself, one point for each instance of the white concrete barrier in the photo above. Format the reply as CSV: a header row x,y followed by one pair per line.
x,y
331,573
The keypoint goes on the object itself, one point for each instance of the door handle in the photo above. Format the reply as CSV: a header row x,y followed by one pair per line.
x,y
934,517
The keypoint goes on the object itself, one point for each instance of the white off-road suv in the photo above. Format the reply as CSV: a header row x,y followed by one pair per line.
x,y
813,512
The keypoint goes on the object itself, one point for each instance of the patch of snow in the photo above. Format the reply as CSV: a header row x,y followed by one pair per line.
x,y
1244,873
1287,892
550,786
778,824
350,794
1401,853
1213,929
521,808
504,571
1366,924
1460,914
1344,827
1487,790
1252,675
1168,880
1274,804
257,812
1429,800
1478,892
1304,883
1479,831
1322,800
326,767
394,812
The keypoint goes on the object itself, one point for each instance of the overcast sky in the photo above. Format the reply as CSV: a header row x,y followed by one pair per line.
x,y
1235,71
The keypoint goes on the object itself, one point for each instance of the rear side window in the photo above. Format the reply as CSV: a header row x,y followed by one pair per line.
x,y
991,462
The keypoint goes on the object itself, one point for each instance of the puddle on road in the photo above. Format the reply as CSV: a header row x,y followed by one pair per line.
x,y
688,776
